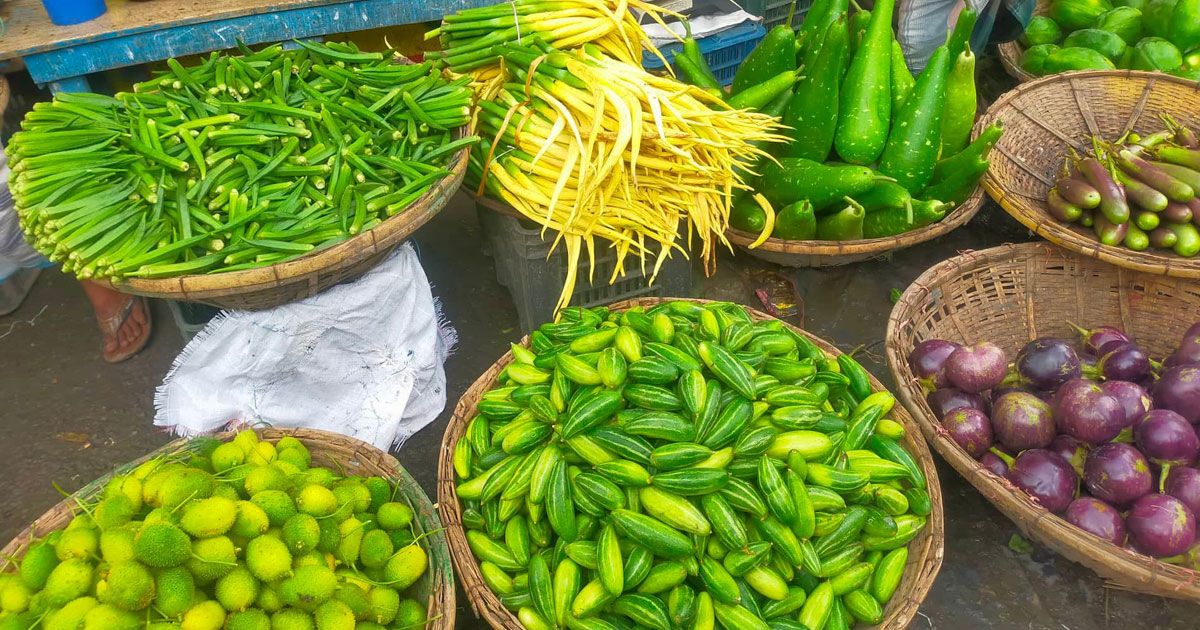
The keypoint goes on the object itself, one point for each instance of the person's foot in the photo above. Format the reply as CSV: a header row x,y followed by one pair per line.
x,y
124,320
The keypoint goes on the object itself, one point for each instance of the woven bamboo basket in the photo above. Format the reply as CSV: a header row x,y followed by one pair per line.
x,y
1010,295
925,551
835,253
332,450
266,287
1047,118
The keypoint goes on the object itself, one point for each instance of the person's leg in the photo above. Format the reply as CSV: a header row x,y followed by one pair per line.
x,y
124,320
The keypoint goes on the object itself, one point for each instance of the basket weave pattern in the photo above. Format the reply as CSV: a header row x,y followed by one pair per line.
x,y
1047,119
345,455
925,551
1010,295
835,253
281,283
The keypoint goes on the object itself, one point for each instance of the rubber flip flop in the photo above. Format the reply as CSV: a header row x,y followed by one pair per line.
x,y
111,325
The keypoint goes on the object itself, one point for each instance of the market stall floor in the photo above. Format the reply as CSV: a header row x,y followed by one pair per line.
x,y
67,417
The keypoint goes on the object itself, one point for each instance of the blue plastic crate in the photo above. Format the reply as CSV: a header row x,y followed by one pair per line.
x,y
724,51
774,12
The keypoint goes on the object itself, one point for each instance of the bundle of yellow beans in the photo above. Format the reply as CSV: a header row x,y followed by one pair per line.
x,y
592,146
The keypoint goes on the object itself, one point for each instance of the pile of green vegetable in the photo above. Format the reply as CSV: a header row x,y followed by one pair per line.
x,y
1154,35
683,464
242,535
239,162
872,152
1139,192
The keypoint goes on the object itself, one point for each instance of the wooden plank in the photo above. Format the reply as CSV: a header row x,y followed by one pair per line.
x,y
30,31
147,46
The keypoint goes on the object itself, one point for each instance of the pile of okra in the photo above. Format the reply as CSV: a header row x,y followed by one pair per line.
x,y
682,465
239,162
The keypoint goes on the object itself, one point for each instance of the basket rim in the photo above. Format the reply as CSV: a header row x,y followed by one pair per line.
x,y
1032,214
440,605
340,255
958,217
1117,565
1010,54
926,562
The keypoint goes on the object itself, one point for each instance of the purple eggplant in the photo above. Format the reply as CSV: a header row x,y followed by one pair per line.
x,y
1188,352
1095,339
928,362
1077,192
1109,233
943,401
977,367
1061,209
1047,362
1180,155
1117,473
1083,411
1133,398
1178,389
1045,477
1022,420
1140,194
1071,450
1158,179
1113,204
1182,173
1167,439
1178,213
1163,238
1161,525
970,429
1097,517
1127,362
1186,138
994,464
1184,484
1146,220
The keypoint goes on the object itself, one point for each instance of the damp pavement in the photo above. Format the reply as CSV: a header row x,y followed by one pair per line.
x,y
67,418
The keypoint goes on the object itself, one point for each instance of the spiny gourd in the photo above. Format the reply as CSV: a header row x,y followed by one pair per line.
x,y
241,535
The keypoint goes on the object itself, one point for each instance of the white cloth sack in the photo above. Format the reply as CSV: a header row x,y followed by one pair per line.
x,y
364,359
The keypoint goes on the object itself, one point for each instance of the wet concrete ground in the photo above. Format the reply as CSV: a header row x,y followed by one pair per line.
x,y
66,417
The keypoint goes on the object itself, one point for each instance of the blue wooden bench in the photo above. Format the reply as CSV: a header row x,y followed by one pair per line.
x,y
133,33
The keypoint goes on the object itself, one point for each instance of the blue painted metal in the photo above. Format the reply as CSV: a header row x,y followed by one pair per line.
x,y
145,46
70,84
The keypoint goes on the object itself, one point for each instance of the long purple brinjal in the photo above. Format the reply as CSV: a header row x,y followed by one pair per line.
x,y
1113,204
1157,178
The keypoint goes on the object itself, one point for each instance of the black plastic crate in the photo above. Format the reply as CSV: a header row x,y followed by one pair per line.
x,y
536,281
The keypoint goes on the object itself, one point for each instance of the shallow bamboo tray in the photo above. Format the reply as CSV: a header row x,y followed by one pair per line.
x,y
338,452
1010,295
281,283
835,253
925,551
1047,118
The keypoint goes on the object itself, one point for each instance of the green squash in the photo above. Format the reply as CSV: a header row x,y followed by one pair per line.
x,y
1073,15
1125,22
1156,53
1041,30
1108,44
1074,59
1034,61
